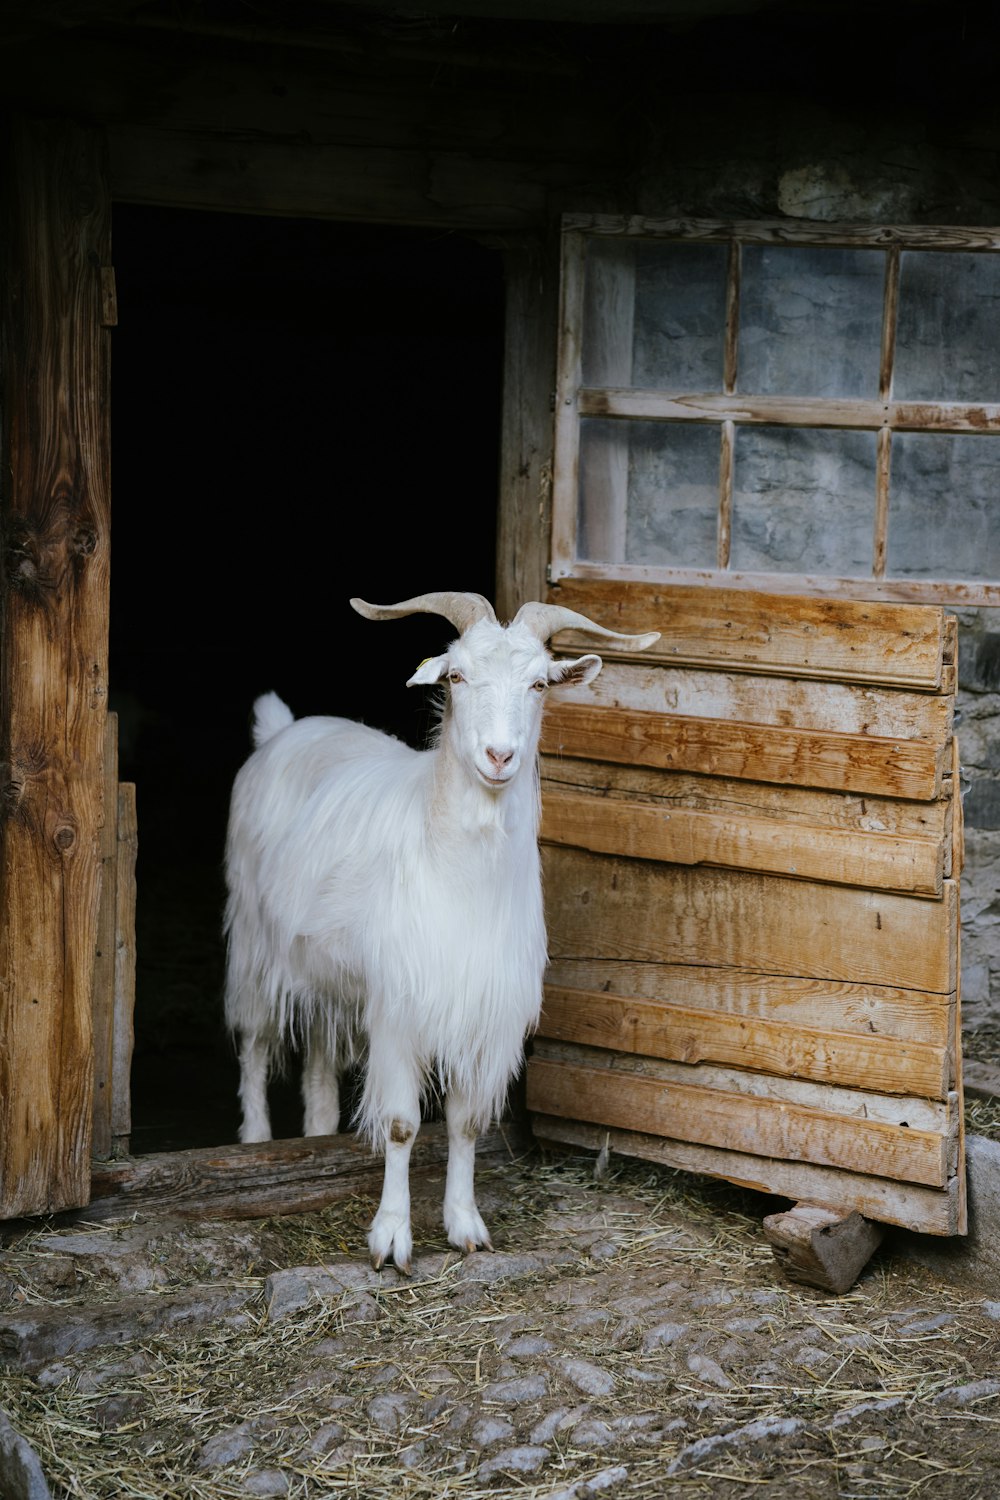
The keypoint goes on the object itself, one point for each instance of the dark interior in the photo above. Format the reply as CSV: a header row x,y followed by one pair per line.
x,y
301,411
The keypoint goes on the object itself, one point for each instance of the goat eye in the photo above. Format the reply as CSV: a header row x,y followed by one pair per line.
x,y
539,686
454,676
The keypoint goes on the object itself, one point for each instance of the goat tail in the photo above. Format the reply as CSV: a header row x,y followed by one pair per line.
x,y
270,715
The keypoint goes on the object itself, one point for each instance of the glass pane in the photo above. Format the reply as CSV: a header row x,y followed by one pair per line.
x,y
803,501
654,315
649,493
944,506
810,321
948,329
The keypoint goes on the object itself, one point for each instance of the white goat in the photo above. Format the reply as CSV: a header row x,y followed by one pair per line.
x,y
385,903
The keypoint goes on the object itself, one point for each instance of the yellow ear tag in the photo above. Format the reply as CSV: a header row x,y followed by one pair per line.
x,y
425,661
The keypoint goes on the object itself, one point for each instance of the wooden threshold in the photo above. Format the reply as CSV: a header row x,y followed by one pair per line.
x,y
256,1181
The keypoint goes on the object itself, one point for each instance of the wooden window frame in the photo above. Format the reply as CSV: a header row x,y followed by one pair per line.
x,y
728,410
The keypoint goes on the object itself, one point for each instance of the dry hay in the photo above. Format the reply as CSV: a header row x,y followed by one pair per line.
x,y
131,1423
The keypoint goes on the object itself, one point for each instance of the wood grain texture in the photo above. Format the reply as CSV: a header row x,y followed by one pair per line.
x,y
254,1181
683,1034
794,1000
880,767
843,708
104,954
926,1210
125,962
712,1117
845,640
641,911
53,688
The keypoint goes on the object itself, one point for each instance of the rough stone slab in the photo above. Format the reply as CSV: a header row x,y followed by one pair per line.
x,y
971,1260
21,1476
35,1336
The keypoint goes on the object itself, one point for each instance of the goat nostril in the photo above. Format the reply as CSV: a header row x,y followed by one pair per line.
x,y
500,758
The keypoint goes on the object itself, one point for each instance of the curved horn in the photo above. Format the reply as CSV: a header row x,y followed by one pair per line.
x,y
543,620
462,610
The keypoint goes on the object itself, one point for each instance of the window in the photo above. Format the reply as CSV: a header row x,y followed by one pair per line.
x,y
790,408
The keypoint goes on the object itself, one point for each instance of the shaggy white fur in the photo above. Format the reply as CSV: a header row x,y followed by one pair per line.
x,y
385,903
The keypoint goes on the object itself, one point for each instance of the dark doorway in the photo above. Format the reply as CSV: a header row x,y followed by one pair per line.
x,y
301,412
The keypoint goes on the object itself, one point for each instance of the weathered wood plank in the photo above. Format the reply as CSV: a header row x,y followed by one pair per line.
x,y
927,1210
601,906
125,962
659,1029
938,1116
863,764
104,955
748,1124
688,837
846,640
762,699
792,1000
786,231
728,797
55,223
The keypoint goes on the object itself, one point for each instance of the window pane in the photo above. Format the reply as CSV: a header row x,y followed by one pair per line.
x,y
944,506
649,493
654,315
948,330
803,501
810,321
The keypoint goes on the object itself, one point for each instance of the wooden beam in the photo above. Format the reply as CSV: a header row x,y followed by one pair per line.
x,y
255,1181
104,955
55,218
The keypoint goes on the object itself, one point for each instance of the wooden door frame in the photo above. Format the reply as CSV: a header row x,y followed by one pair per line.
x,y
54,606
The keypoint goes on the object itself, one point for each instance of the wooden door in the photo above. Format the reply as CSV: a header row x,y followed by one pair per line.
x,y
752,846
56,310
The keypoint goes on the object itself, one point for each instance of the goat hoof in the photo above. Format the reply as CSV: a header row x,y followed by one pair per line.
x,y
378,1261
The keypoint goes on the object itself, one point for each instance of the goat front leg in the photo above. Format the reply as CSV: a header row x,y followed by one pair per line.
x,y
462,1222
388,1079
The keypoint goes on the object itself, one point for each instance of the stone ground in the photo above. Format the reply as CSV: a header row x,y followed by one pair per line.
x,y
631,1334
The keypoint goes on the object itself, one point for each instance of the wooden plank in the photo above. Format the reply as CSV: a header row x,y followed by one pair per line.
x,y
749,1124
55,224
641,911
682,1034
687,837
926,1210
858,1009
938,1116
728,797
125,961
955,593
789,411
830,706
754,752
848,640
788,231
566,452
104,955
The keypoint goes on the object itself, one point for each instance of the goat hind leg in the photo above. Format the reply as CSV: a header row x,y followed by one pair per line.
x,y
256,1050
320,1090
462,1221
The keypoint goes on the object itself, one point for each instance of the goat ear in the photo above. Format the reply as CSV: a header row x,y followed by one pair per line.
x,y
580,671
430,670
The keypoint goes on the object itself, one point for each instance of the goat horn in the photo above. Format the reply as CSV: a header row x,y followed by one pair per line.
x,y
544,620
462,610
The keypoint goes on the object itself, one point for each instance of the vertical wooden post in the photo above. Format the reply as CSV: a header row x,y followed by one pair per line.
x,y
55,227
532,272
103,1009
